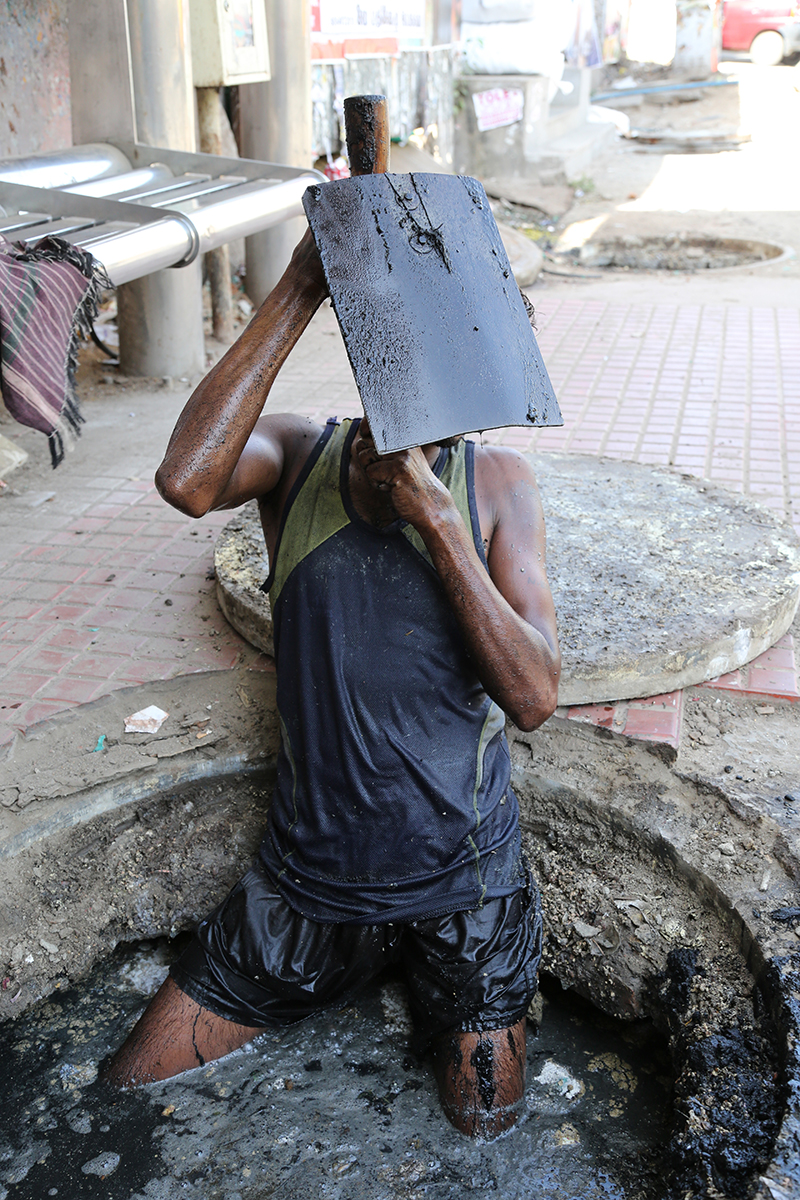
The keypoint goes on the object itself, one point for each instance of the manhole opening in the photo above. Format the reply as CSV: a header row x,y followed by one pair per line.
x,y
674,252
336,1098
714,1108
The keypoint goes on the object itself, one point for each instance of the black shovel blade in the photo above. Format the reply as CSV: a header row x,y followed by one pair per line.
x,y
432,319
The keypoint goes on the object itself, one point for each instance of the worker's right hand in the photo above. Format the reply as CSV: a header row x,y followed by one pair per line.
x,y
406,476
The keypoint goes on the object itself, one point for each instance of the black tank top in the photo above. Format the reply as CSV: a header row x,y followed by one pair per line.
x,y
392,800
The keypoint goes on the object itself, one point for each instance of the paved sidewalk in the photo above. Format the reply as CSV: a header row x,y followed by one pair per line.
x,y
712,389
103,586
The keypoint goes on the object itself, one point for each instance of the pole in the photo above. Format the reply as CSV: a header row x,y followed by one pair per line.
x,y
101,85
276,127
445,18
161,316
218,262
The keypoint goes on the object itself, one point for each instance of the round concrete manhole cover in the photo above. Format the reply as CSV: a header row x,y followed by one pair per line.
x,y
660,580
673,252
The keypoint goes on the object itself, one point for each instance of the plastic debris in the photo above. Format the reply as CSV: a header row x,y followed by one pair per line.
x,y
147,720
553,1074
100,744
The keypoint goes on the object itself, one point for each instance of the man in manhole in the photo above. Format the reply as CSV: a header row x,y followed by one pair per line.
x,y
411,613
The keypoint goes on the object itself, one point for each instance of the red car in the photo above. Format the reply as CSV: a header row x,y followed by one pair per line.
x,y
766,30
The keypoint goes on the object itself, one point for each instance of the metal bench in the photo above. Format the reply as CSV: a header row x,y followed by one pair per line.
x,y
141,208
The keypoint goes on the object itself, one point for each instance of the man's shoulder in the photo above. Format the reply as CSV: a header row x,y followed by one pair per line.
x,y
498,468
285,440
295,435
291,430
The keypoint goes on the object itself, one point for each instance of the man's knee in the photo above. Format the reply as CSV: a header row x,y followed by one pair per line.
x,y
481,1079
174,1034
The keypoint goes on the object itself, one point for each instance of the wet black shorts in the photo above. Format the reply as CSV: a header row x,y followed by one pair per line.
x,y
257,962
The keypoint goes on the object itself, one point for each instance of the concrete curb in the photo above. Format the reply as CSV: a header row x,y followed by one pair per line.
x,y
98,768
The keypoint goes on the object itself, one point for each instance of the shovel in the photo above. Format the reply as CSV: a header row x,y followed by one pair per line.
x,y
433,322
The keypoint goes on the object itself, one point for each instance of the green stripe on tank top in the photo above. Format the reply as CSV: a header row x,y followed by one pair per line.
x,y
317,513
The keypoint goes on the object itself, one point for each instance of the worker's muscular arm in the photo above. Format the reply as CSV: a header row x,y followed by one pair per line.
x,y
216,457
507,617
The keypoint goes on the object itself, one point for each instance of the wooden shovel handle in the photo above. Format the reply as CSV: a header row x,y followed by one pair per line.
x,y
366,125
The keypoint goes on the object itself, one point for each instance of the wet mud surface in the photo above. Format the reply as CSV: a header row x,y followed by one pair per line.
x,y
337,1107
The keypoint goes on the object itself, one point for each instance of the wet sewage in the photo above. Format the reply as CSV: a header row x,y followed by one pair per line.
x,y
335,1108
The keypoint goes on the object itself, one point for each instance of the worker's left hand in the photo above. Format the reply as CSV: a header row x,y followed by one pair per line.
x,y
406,476
306,265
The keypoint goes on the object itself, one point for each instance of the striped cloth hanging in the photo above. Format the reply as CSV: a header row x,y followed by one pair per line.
x,y
48,299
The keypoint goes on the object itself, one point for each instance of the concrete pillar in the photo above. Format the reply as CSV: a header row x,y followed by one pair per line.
x,y
651,31
130,73
161,315
275,123
698,38
101,85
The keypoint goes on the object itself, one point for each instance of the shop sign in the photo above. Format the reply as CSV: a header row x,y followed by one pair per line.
x,y
339,19
498,107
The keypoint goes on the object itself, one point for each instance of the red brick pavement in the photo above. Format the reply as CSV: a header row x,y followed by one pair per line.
x,y
122,593
658,718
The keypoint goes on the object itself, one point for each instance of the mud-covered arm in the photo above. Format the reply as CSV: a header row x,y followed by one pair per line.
x,y
507,616
212,461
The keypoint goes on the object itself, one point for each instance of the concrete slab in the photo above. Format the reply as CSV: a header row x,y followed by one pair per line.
x,y
661,580
552,199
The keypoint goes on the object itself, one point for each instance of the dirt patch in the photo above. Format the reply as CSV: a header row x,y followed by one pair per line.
x,y
153,868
